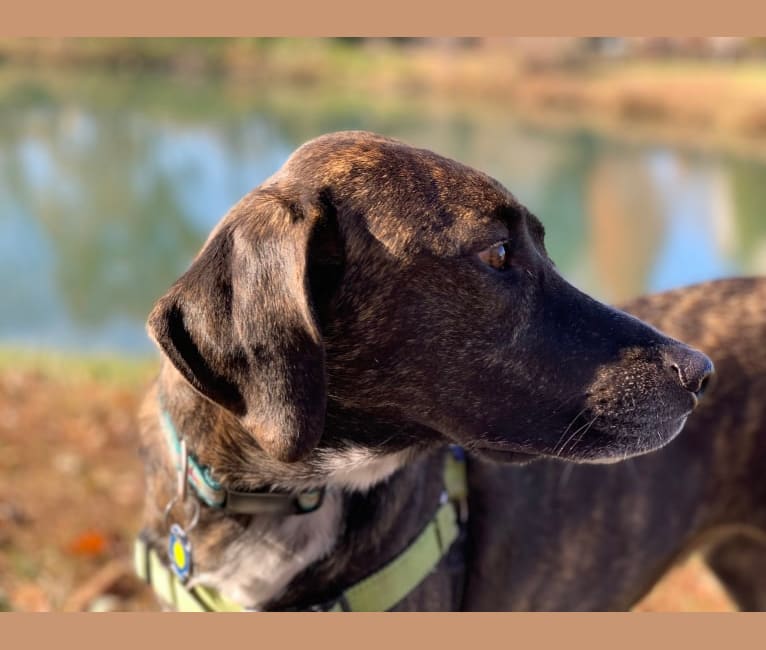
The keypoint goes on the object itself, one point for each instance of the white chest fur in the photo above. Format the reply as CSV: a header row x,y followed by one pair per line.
x,y
260,563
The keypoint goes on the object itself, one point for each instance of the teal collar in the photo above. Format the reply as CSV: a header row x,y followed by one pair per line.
x,y
215,495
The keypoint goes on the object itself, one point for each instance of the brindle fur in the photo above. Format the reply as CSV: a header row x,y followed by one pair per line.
x,y
342,305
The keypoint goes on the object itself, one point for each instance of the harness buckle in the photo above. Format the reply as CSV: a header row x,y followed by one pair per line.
x,y
456,487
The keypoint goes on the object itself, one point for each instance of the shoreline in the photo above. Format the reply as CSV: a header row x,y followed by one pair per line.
x,y
668,101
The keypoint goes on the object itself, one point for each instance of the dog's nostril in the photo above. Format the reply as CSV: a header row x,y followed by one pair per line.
x,y
693,370
674,367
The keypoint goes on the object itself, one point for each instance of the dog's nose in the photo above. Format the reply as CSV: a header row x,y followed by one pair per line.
x,y
690,367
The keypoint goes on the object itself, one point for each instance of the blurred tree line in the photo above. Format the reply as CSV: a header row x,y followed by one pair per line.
x,y
241,54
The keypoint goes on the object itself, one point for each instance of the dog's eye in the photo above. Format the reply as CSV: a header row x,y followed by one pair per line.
x,y
495,256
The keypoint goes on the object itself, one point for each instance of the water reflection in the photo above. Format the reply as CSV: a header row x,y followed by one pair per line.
x,y
109,185
624,224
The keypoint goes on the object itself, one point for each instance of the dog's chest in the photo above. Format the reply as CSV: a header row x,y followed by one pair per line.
x,y
257,566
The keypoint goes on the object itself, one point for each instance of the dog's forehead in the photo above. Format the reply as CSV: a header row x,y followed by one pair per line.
x,y
410,199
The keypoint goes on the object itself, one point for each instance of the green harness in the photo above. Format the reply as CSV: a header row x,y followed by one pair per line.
x,y
379,591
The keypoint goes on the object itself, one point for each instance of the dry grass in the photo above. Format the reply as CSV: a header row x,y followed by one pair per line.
x,y
70,486
689,587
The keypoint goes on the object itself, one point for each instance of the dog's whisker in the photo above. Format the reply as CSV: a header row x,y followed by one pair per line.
x,y
569,426
584,429
582,435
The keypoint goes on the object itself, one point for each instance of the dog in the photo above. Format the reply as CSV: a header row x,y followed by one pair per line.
x,y
370,310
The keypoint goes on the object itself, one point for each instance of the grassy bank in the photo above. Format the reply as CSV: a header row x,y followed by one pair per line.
x,y
671,99
53,365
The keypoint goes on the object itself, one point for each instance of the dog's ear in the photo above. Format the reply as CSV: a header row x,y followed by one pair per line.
x,y
240,325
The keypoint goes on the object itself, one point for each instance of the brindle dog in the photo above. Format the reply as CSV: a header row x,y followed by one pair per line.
x,y
372,302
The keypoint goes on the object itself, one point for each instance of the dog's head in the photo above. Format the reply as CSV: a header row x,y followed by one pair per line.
x,y
371,282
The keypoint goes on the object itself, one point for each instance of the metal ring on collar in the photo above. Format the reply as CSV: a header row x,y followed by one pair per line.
x,y
194,516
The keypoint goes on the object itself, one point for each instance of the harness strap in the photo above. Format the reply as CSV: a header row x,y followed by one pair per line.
x,y
389,585
379,591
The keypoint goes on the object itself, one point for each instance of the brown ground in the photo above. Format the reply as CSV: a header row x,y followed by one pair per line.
x,y
71,491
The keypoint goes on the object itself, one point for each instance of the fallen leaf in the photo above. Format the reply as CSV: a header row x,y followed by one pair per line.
x,y
89,544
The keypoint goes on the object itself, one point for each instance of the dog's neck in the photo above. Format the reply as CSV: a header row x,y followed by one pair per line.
x,y
375,503
377,525
282,563
254,566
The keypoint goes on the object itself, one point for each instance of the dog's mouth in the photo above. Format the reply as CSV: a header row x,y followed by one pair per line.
x,y
505,456
598,444
630,444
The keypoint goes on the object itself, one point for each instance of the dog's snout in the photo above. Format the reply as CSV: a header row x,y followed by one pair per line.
x,y
691,368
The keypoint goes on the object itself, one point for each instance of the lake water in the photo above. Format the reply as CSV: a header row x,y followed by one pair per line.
x,y
110,183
